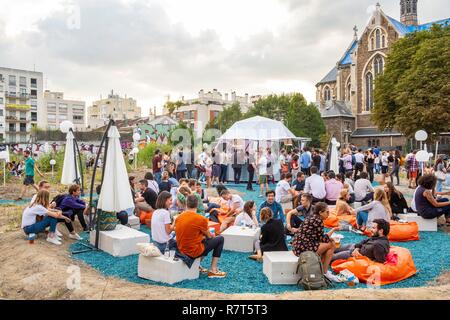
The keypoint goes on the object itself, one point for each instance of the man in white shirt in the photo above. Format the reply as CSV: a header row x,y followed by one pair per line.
x,y
363,189
359,163
262,172
283,192
315,185
235,204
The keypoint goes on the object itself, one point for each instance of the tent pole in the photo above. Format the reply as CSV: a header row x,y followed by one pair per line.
x,y
77,179
77,149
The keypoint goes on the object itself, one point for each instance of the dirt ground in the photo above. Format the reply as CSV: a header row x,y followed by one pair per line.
x,y
44,271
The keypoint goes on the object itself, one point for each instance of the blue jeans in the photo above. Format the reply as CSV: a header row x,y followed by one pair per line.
x,y
162,246
41,225
439,185
361,218
157,176
223,173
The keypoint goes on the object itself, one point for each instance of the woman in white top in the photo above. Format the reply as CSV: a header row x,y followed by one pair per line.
x,y
162,225
152,183
248,216
379,208
47,218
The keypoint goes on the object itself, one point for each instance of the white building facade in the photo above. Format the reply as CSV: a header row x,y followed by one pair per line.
x,y
59,109
22,93
2,111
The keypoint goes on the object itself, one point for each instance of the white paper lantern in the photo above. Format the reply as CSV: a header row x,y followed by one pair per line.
x,y
136,136
422,156
52,162
421,135
65,126
135,150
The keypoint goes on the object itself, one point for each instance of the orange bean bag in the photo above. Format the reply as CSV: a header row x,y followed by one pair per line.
x,y
375,273
401,232
333,220
145,216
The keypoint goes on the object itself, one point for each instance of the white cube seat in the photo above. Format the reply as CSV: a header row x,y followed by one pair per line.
x,y
240,239
280,267
120,242
424,224
166,270
134,222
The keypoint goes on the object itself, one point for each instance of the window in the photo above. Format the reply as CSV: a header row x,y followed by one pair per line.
x,y
78,118
51,107
12,81
369,91
372,44
370,143
349,91
63,108
34,116
12,91
1,112
33,83
327,94
23,115
378,65
23,127
34,93
383,41
12,127
378,38
62,117
192,115
1,88
51,116
1,100
22,81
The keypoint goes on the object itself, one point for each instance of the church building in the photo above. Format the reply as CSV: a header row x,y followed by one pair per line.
x,y
345,95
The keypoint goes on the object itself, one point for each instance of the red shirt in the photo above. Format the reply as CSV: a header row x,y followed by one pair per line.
x,y
156,159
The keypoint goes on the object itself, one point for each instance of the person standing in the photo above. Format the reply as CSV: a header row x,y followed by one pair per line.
x,y
396,167
30,167
305,161
316,159
251,167
440,173
181,168
157,165
223,167
237,165
370,160
262,173
359,163
323,161
413,169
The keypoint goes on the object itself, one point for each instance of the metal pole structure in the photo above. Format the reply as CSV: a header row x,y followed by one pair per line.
x,y
77,150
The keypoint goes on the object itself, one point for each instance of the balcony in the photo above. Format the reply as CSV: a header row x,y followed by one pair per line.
x,y
17,119
21,107
17,131
17,95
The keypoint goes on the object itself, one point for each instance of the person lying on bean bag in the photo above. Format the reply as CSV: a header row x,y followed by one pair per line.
x,y
375,248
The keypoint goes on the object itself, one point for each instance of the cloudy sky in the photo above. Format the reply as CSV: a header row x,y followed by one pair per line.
x,y
149,49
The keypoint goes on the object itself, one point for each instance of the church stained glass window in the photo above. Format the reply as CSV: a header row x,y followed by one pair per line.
x,y
369,91
327,94
378,65
378,38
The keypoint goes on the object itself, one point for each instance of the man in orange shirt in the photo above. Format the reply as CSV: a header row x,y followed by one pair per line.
x,y
194,239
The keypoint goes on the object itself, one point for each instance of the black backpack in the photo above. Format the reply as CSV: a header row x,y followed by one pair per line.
x,y
311,274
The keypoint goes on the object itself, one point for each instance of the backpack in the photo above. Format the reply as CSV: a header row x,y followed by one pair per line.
x,y
311,274
59,199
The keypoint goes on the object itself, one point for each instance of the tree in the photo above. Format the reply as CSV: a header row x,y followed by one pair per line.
x,y
293,110
226,118
413,93
172,106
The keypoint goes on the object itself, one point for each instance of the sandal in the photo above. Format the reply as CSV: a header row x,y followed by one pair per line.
x,y
218,274
203,270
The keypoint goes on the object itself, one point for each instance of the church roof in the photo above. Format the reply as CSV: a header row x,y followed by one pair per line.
x,y
404,29
347,58
335,108
330,77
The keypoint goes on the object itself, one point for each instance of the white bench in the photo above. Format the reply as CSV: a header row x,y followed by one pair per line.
x,y
424,224
166,270
280,267
240,239
134,222
120,242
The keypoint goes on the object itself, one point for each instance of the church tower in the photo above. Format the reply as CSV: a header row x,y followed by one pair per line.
x,y
408,12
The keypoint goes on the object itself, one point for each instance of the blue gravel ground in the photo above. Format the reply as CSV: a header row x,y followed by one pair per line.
x,y
431,256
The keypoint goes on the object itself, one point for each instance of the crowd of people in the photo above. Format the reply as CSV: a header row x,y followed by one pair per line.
x,y
179,211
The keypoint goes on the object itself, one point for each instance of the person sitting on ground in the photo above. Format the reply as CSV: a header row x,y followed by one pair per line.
x,y
284,192
379,208
299,182
272,236
347,186
73,206
295,217
363,189
235,204
311,237
342,206
165,184
315,185
270,203
220,188
425,202
146,199
202,192
122,216
41,208
152,183
376,248
333,189
184,182
182,194
194,239
248,216
162,225
396,199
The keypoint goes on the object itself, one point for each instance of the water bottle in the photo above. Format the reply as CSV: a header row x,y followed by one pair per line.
x,y
212,231
243,224
167,251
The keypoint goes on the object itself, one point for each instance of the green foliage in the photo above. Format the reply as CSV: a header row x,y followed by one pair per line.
x,y
325,140
145,155
414,91
227,118
172,106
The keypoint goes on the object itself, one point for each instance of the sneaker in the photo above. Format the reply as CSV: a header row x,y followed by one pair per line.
x,y
54,240
75,236
218,274
332,277
59,234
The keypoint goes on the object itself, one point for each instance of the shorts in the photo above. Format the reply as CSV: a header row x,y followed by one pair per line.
x,y
262,179
384,169
413,174
29,180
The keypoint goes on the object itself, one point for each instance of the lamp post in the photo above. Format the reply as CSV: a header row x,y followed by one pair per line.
x,y
52,163
135,153
422,136
136,138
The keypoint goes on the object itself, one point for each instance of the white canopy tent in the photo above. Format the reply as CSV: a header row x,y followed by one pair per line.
x,y
71,170
115,195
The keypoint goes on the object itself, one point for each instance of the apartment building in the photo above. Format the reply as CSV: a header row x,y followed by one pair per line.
x,y
59,109
21,92
114,107
2,111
